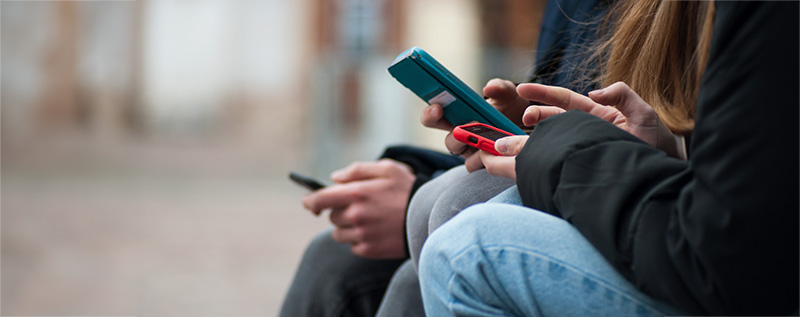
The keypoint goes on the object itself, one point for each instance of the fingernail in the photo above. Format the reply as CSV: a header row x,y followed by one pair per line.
x,y
501,145
337,175
597,92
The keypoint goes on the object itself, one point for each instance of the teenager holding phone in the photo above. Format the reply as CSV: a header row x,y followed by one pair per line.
x,y
336,278
619,228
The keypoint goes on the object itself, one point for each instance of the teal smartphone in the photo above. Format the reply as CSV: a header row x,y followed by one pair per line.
x,y
424,76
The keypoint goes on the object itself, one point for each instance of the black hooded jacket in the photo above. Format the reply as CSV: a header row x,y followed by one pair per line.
x,y
717,234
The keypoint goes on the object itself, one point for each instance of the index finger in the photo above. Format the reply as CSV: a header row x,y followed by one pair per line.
x,y
565,99
360,171
534,114
335,196
556,96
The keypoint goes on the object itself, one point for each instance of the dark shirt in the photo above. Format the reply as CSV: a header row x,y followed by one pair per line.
x,y
717,234
569,29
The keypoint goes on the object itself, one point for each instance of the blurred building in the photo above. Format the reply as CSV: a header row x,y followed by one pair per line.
x,y
145,143
306,77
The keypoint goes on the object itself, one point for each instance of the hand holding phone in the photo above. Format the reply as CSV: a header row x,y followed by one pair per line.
x,y
479,135
367,204
428,79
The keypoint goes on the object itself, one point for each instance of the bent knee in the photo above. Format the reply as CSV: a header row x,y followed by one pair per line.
x,y
322,248
477,187
490,224
461,232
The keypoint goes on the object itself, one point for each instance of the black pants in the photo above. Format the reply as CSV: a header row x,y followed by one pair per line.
x,y
332,281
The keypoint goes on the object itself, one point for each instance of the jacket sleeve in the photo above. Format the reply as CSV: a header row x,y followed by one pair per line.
x,y
717,234
427,164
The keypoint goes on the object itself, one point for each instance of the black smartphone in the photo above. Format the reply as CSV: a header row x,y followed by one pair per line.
x,y
306,181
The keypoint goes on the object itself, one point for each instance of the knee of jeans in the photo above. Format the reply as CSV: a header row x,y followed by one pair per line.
x,y
476,188
424,199
452,201
320,243
455,235
433,252
447,206
417,217
486,223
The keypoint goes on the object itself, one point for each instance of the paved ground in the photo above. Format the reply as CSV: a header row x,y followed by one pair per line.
x,y
146,233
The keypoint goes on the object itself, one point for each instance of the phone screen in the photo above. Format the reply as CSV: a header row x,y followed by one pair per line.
x,y
485,132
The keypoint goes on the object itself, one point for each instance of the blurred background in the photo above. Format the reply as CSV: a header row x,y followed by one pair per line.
x,y
145,144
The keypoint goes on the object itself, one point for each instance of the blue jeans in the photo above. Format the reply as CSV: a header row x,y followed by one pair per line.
x,y
445,196
501,259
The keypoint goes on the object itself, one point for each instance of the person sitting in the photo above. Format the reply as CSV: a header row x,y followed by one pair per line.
x,y
612,225
345,271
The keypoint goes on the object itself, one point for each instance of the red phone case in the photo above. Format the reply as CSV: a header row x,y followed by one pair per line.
x,y
479,135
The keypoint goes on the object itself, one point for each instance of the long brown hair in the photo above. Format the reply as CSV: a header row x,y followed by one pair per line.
x,y
659,48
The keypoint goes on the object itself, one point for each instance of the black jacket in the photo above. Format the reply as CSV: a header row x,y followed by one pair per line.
x,y
717,234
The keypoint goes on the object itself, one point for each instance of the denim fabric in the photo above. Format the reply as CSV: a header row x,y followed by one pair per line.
x,y
419,209
440,199
509,196
500,259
